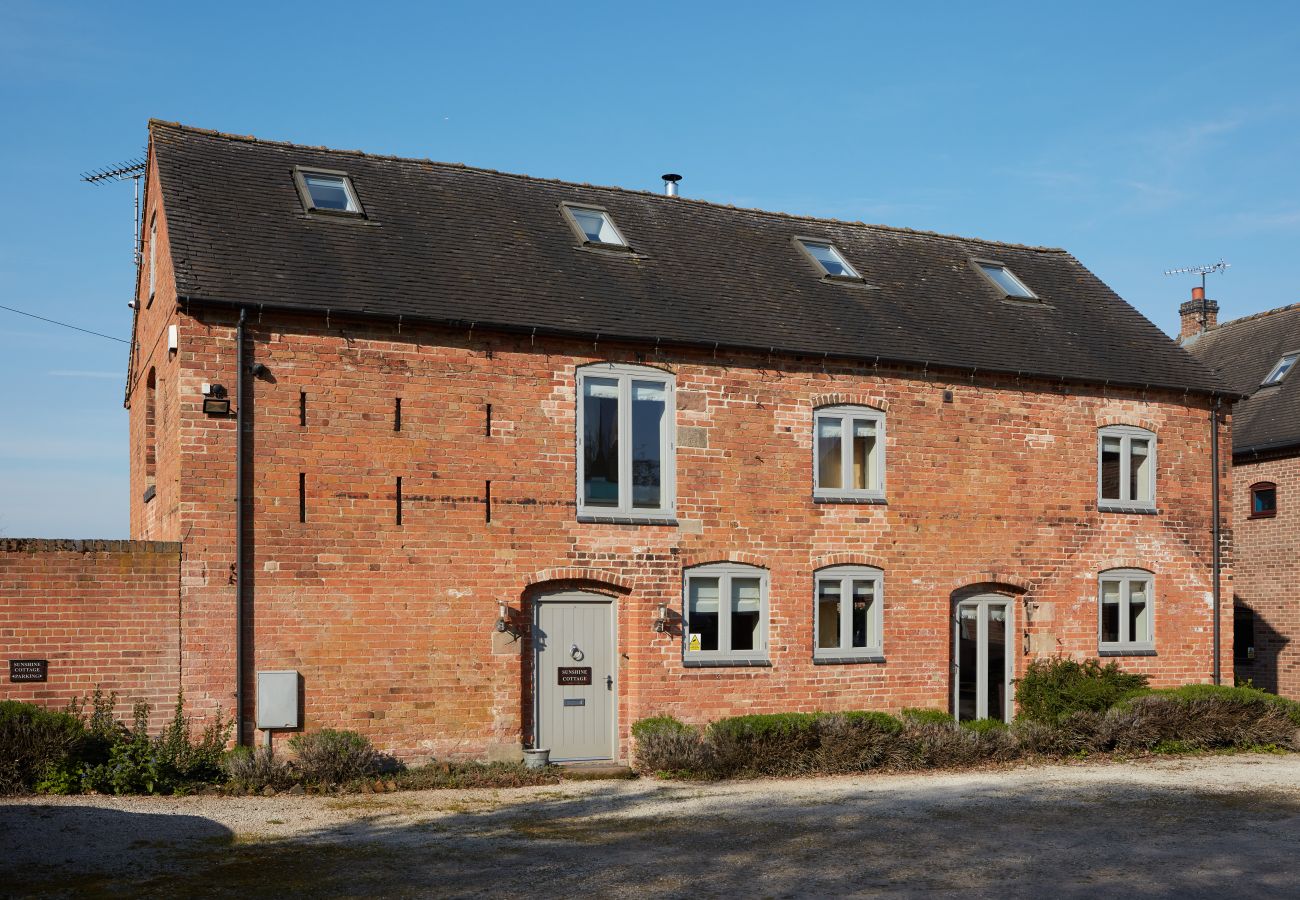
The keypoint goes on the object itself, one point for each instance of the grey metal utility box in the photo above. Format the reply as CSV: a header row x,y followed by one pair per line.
x,y
277,700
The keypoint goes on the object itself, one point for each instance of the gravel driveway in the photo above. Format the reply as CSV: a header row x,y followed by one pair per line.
x,y
1202,827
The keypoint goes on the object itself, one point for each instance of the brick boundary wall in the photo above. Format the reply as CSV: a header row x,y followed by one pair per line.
x,y
103,613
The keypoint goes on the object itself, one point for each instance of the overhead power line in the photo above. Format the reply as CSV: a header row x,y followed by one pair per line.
x,y
108,337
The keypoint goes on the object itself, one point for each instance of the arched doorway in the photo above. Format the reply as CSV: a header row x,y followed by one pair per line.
x,y
983,663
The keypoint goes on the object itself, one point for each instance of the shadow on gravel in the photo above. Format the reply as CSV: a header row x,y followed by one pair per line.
x,y
680,840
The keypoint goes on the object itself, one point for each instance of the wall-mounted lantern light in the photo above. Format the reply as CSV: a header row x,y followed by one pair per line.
x,y
215,401
661,620
503,616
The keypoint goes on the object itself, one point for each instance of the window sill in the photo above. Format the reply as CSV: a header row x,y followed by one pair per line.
x,y
149,493
1112,507
727,663
1133,651
860,501
848,660
1267,515
589,519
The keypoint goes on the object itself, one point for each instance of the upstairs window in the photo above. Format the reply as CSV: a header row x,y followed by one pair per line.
x,y
326,191
153,256
1127,611
1263,500
1008,283
625,442
725,611
848,453
1126,468
847,616
594,226
1279,371
829,260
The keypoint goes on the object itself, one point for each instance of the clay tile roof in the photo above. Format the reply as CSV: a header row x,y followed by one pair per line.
x,y
1243,352
444,242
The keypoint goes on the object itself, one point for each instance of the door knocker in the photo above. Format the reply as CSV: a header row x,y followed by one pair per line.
x,y
577,654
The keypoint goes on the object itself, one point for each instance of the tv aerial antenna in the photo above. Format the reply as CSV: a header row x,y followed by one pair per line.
x,y
131,170
1219,266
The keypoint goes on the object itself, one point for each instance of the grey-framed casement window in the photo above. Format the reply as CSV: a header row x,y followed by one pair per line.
x,y
594,226
1004,280
1278,372
848,615
626,443
725,615
327,191
1126,614
828,260
848,454
1126,469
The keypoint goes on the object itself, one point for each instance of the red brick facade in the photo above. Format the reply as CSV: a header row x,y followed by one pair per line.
x,y
103,613
1267,586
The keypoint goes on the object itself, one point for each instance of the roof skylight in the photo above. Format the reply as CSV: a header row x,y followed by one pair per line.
x,y
1283,366
595,226
1009,283
829,259
327,191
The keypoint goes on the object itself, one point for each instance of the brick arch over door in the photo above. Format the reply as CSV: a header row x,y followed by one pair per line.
x,y
577,578
994,580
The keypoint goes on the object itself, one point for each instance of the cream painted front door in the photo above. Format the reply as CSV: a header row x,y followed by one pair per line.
x,y
576,676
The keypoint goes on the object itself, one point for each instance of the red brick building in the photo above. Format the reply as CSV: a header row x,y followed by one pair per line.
x,y
493,461
1255,356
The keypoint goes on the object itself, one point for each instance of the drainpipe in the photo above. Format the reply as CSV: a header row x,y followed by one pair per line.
x,y
1216,565
239,532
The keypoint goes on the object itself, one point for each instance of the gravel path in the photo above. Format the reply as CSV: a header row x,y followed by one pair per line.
x,y
1197,827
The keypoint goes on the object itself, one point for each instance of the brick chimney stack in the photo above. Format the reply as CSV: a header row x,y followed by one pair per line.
x,y
1198,315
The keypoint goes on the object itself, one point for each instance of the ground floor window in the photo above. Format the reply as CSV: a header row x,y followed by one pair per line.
x,y
1127,611
725,611
847,613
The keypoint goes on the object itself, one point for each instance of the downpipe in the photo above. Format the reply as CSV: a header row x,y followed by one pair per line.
x,y
1217,560
239,531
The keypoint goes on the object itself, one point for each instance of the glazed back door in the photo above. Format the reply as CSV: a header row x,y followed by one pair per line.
x,y
982,665
575,676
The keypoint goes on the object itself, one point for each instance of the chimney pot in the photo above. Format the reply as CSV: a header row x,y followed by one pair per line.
x,y
1198,293
670,183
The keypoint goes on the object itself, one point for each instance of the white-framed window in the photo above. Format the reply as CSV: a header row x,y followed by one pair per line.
x,y
1278,372
1126,614
323,190
1126,468
594,226
829,259
1005,280
153,256
626,442
724,608
848,614
848,453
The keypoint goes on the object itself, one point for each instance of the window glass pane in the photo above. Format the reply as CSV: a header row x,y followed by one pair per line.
x,y
864,454
1264,500
1139,619
863,622
746,608
1280,370
829,259
702,613
1110,612
600,441
967,657
828,614
649,403
596,226
829,441
328,192
1005,280
1139,469
1110,447
997,661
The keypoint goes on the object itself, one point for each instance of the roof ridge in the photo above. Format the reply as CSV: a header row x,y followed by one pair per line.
x,y
252,139
1253,316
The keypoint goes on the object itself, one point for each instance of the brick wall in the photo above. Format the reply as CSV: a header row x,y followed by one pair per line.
x,y
103,613
1268,574
392,625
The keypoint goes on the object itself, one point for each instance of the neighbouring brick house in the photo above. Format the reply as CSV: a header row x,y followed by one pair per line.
x,y
1255,355
525,461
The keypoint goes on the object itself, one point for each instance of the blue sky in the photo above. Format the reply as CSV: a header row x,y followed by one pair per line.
x,y
1138,136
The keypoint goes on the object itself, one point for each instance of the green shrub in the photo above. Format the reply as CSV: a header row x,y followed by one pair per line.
x,y
333,757
984,725
854,741
772,744
35,744
256,769
927,714
1198,719
1072,734
926,743
1053,688
656,725
1242,693
666,746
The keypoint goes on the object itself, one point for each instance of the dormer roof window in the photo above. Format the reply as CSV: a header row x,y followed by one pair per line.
x,y
594,226
1284,365
326,191
829,260
1004,280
